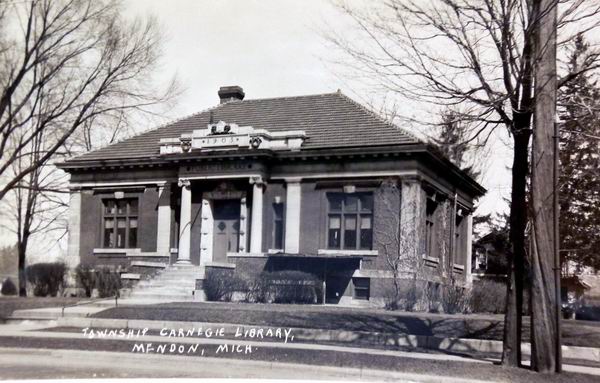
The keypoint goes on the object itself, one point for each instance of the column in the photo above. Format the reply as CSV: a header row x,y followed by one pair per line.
x,y
163,232
469,260
292,216
185,222
412,208
74,232
257,213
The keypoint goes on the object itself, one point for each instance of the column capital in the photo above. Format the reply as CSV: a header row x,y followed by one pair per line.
x,y
257,180
292,180
184,182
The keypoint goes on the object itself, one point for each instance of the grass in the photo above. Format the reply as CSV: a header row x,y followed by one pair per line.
x,y
10,304
575,333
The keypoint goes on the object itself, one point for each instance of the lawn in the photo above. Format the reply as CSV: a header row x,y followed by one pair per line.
x,y
10,304
576,333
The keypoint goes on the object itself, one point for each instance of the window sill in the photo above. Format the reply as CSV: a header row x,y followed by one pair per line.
x,y
431,261
115,251
365,253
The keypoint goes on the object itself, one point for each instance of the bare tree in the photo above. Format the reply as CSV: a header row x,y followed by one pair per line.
x,y
71,74
477,54
64,64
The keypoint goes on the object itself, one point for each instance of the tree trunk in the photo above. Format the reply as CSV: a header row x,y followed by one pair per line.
x,y
21,250
544,316
511,352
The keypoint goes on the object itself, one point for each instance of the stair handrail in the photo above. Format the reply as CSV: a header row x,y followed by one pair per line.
x,y
116,298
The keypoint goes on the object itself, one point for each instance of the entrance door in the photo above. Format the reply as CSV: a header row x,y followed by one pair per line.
x,y
226,214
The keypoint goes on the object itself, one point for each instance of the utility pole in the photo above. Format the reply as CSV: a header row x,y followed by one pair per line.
x,y
545,278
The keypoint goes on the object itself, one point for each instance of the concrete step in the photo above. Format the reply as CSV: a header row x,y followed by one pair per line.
x,y
160,292
160,284
164,297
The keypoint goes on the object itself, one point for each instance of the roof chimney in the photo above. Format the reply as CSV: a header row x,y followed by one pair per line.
x,y
231,93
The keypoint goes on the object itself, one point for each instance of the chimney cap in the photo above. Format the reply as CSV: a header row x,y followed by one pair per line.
x,y
231,93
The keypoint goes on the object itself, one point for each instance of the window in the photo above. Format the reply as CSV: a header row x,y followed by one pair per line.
x,y
459,239
362,287
278,226
350,221
120,223
430,228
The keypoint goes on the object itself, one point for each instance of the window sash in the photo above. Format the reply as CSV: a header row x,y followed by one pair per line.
x,y
350,221
120,223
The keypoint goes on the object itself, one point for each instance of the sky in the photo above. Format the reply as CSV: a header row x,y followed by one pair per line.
x,y
271,48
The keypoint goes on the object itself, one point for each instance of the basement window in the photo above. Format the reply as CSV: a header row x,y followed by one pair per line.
x,y
362,288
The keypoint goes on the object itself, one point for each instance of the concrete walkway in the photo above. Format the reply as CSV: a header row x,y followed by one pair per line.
x,y
34,330
17,364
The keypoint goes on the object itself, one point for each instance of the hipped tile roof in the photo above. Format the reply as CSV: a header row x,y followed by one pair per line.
x,y
330,121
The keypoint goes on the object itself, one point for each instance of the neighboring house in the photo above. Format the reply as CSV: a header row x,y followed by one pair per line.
x,y
490,256
580,285
291,183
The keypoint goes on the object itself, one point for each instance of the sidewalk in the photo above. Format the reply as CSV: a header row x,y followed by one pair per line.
x,y
82,364
284,360
79,316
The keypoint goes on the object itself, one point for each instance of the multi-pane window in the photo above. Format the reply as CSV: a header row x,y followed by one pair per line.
x,y
362,287
350,221
278,222
120,223
430,228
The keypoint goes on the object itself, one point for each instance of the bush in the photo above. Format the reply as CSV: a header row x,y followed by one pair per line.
x,y
8,287
432,297
86,279
455,298
108,282
405,299
488,297
220,284
290,286
256,289
46,278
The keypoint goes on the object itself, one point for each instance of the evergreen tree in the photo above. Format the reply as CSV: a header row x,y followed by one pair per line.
x,y
580,162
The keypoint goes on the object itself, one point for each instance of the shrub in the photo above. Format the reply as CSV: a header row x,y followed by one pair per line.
x,y
455,298
488,297
256,289
8,287
432,297
220,284
86,278
46,278
290,286
108,282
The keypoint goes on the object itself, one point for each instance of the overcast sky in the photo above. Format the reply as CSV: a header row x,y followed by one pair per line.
x,y
271,48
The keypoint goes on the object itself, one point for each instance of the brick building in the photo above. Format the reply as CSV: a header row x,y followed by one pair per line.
x,y
272,184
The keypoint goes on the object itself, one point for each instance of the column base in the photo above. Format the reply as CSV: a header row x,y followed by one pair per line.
x,y
183,262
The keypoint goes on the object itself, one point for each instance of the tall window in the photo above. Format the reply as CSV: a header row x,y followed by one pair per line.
x,y
430,228
278,222
350,221
120,223
459,250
